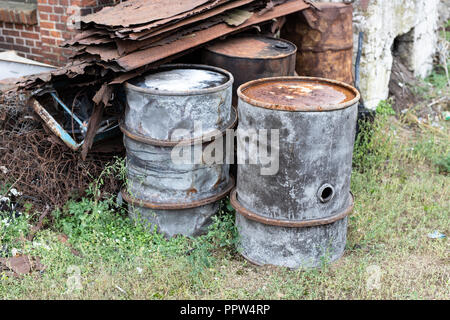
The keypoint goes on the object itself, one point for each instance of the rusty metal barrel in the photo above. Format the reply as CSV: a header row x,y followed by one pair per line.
x,y
251,57
323,34
170,185
292,211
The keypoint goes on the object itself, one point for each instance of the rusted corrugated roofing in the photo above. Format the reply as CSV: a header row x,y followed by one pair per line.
x,y
137,34
143,57
135,12
121,42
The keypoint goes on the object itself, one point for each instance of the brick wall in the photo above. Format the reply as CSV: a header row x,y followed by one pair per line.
x,y
36,31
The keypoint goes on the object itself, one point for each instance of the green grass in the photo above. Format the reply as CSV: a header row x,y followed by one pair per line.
x,y
438,78
401,195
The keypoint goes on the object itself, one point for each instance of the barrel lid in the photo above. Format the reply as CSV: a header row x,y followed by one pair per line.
x,y
253,47
298,94
182,79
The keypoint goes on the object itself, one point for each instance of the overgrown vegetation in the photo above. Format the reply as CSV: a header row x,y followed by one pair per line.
x,y
401,193
400,180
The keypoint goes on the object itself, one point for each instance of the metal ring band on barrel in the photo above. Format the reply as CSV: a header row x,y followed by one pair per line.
x,y
307,108
287,223
172,206
185,92
169,143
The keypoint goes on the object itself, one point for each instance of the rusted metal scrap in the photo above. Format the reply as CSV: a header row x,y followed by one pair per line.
x,y
123,41
137,12
324,37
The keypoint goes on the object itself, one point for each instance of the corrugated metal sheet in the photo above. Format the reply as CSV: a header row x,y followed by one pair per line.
x,y
136,12
147,56
121,42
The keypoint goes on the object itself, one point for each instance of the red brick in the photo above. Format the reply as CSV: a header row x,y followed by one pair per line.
x,y
4,15
29,35
56,34
21,48
43,16
29,43
57,50
36,50
11,33
54,17
47,25
24,16
48,40
60,26
48,55
58,10
45,8
19,41
5,46
30,28
32,56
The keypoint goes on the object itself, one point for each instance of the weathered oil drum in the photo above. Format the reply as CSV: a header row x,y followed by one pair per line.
x,y
251,57
296,216
176,97
324,37
177,196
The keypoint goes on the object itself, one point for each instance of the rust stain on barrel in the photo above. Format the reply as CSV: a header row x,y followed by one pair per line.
x,y
298,94
251,47
191,191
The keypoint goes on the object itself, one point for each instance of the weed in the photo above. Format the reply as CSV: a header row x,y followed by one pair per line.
x,y
443,164
438,77
384,107
399,199
374,144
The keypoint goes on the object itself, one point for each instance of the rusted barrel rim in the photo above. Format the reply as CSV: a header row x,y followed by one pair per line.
x,y
222,87
281,56
287,223
172,143
174,206
321,108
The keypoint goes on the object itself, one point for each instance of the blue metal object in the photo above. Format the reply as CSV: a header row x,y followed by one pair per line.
x,y
83,127
108,128
55,127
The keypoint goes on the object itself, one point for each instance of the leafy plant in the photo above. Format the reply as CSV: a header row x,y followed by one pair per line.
x,y
374,144
385,107
443,164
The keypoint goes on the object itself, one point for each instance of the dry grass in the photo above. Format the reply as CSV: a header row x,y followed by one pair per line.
x,y
400,196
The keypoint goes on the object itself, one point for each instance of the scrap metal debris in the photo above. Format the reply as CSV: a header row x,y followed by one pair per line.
x,y
237,17
123,41
37,164
21,264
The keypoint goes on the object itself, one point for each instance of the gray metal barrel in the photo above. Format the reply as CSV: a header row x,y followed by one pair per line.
x,y
175,97
295,216
170,184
